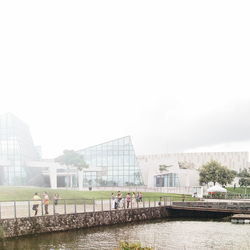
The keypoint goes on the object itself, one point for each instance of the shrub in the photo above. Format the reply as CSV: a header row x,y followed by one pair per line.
x,y
124,245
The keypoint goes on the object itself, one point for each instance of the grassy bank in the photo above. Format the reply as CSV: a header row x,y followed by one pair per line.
x,y
26,193
238,190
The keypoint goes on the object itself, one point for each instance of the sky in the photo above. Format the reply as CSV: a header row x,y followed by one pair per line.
x,y
174,75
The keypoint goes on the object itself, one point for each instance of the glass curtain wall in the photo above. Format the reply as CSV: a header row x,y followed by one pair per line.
x,y
167,180
111,164
16,146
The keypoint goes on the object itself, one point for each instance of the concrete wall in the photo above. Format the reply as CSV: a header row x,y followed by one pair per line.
x,y
44,224
149,164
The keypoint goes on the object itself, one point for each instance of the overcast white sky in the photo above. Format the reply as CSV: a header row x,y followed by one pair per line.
x,y
175,75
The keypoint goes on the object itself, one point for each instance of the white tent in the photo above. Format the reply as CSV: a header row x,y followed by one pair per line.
x,y
216,189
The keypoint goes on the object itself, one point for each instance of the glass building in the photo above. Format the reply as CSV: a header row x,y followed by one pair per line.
x,y
16,148
166,180
111,164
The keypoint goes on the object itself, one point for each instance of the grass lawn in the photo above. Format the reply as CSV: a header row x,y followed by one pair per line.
x,y
238,190
26,193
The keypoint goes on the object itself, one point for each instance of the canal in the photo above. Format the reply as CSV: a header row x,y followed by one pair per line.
x,y
160,234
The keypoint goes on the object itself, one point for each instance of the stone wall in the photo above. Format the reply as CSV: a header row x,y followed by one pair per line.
x,y
53,223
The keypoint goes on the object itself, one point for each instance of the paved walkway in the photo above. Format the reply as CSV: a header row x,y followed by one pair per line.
x,y
23,209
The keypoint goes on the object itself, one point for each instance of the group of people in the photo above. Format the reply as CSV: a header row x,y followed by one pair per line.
x,y
118,201
45,201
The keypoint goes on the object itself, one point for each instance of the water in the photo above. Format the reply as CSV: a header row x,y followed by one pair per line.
x,y
160,235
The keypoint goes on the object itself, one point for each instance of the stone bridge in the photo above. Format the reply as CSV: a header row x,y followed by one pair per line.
x,y
14,227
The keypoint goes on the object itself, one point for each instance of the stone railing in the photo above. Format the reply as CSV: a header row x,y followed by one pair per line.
x,y
22,209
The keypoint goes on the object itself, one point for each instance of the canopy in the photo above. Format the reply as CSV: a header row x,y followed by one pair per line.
x,y
216,189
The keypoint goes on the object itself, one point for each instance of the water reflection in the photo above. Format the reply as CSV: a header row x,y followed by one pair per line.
x,y
160,235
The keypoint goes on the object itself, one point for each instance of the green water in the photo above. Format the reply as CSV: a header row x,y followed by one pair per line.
x,y
158,234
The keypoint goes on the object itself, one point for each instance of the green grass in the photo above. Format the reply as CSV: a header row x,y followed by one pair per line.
x,y
238,190
26,193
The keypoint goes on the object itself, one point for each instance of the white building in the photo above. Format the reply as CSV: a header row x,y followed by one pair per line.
x,y
182,168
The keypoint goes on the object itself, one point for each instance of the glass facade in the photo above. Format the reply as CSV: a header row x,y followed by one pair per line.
x,y
167,180
16,147
111,164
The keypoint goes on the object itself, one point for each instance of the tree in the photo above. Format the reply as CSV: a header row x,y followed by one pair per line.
x,y
214,172
244,181
72,158
244,173
225,176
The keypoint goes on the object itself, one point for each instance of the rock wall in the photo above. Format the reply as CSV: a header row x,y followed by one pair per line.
x,y
63,222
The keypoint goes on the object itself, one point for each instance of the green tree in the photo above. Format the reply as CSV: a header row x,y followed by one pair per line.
x,y
72,158
244,173
244,182
214,172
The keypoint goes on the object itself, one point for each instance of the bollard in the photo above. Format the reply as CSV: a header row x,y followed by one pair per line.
x,y
102,204
110,205
84,206
93,205
75,206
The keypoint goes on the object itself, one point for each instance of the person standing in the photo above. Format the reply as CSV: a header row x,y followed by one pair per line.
x,y
119,196
133,198
116,202
137,197
112,200
128,198
36,203
46,202
140,197
56,197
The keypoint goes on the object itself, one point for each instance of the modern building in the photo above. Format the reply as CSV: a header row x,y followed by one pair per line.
x,y
182,168
110,164
16,148
113,163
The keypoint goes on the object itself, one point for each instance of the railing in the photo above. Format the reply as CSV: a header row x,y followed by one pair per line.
x,y
219,205
24,208
228,196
